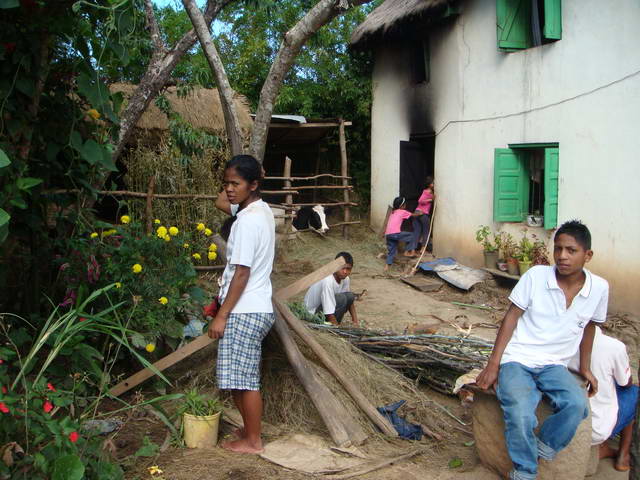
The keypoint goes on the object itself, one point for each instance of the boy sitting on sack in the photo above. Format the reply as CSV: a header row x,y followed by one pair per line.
x,y
551,317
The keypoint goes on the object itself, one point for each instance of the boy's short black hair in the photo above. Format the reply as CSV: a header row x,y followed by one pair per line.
x,y
577,230
347,257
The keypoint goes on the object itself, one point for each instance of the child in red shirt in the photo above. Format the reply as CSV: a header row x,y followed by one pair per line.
x,y
394,233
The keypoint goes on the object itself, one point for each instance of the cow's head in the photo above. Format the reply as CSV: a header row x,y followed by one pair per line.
x,y
318,221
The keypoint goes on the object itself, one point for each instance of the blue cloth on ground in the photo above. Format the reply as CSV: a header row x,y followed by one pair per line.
x,y
627,401
409,431
430,266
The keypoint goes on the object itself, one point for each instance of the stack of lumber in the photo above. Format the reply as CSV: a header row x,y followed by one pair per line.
x,y
436,360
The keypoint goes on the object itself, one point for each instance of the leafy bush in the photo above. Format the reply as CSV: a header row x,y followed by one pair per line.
x,y
47,391
153,275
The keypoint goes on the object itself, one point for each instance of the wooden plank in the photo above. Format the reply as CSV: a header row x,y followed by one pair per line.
x,y
314,177
305,282
325,204
203,340
343,428
308,125
500,273
304,333
345,182
423,284
320,187
288,200
162,364
386,220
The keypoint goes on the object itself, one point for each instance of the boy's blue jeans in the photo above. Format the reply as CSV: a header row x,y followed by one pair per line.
x,y
519,391
410,238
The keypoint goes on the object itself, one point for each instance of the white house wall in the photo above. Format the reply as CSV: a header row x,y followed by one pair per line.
x,y
573,92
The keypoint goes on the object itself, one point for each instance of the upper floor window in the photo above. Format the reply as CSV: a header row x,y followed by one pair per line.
x,y
528,23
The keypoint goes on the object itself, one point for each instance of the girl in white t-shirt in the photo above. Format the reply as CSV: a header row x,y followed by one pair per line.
x,y
245,315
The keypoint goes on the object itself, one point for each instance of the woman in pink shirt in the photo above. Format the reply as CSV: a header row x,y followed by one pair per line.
x,y
394,233
423,220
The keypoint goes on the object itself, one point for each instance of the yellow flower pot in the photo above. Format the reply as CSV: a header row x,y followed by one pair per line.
x,y
200,432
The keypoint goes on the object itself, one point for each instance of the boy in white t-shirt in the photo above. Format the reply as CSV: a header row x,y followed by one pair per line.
x,y
613,408
551,317
332,295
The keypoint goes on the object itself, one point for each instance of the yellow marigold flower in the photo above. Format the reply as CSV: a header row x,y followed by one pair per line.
x,y
137,268
154,470
166,238
125,219
161,231
93,113
94,234
208,232
163,300
200,227
186,245
212,255
150,347
157,221
118,285
196,256
173,231
213,247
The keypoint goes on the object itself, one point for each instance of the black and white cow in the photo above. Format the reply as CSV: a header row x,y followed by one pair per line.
x,y
311,217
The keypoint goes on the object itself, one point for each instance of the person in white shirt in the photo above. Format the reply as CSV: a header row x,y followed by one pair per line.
x,y
332,295
551,317
245,315
613,408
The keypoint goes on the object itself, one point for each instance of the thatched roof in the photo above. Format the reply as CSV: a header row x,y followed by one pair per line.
x,y
391,14
201,108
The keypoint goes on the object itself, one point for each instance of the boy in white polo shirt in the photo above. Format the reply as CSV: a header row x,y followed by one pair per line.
x,y
551,317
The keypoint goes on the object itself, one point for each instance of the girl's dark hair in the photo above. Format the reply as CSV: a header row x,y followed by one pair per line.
x,y
429,180
247,167
397,202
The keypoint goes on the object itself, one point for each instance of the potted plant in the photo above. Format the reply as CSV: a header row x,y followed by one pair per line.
x,y
509,253
540,254
525,253
489,248
200,420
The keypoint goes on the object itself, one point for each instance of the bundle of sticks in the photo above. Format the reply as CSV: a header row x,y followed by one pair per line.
x,y
436,360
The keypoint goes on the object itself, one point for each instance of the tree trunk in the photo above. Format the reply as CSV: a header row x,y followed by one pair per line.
x,y
156,76
232,124
323,12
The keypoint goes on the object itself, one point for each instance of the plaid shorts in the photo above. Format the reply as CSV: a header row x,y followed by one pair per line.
x,y
240,350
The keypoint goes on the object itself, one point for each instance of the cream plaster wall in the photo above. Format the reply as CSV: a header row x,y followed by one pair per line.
x,y
573,92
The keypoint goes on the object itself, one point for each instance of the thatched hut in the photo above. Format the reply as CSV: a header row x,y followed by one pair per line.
x,y
201,108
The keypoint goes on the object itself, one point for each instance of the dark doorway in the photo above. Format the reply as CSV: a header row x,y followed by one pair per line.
x,y
416,162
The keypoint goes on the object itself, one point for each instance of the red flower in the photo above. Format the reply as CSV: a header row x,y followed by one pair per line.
x,y
51,387
4,389
47,407
3,408
73,436
81,319
1,361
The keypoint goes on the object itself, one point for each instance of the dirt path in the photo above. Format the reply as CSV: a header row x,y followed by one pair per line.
x,y
388,305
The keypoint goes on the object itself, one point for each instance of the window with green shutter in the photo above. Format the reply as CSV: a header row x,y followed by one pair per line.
x,y
527,23
526,183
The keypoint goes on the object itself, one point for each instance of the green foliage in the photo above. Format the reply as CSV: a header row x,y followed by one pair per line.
x,y
148,448
482,237
197,404
300,310
153,275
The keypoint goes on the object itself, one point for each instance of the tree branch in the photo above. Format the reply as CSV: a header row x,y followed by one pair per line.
x,y
323,12
232,124
156,77
154,31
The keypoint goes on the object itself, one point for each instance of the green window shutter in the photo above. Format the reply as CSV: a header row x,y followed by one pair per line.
x,y
551,174
514,24
552,19
510,186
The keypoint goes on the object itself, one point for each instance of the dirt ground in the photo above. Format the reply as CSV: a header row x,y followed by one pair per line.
x,y
388,304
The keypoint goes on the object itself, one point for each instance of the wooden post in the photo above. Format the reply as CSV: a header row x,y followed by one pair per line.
x,y
345,181
149,208
288,200
316,173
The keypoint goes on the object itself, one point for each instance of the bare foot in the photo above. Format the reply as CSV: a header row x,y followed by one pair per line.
x,y
607,452
386,268
243,446
239,432
622,463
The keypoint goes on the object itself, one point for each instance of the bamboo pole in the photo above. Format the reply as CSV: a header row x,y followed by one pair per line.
x,y
320,187
325,204
314,177
345,182
171,196
149,208
296,325
288,200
